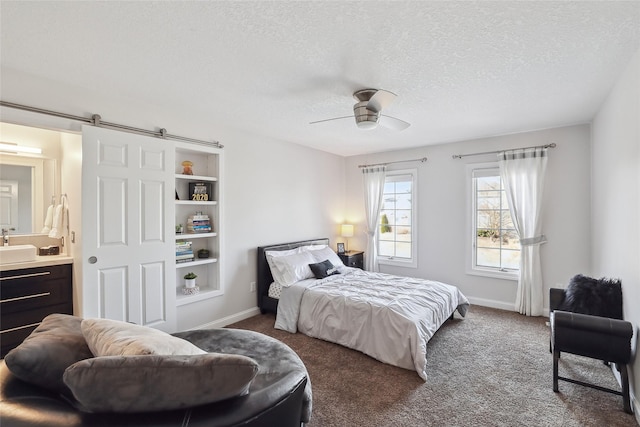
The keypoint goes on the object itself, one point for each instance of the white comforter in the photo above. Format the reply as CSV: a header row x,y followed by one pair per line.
x,y
390,318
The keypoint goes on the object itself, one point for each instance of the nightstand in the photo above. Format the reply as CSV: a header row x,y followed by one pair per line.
x,y
353,259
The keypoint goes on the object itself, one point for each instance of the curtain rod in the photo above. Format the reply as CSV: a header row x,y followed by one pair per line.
x,y
96,120
459,156
422,160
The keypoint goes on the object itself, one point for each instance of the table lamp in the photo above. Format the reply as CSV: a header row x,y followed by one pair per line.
x,y
346,231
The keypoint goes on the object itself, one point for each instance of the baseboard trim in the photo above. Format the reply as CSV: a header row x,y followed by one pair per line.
x,y
221,323
501,305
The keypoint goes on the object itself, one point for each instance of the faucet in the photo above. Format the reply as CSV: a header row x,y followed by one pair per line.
x,y
5,236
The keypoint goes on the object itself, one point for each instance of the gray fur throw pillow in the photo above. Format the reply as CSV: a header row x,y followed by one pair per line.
x,y
597,297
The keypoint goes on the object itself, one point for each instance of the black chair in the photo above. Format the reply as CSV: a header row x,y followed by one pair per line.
x,y
586,319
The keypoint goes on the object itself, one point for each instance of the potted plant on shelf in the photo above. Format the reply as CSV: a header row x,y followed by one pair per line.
x,y
190,279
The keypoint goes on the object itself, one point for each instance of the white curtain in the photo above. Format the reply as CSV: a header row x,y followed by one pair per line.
x,y
373,188
522,173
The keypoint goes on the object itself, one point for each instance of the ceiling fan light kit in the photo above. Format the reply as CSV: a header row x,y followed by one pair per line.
x,y
365,118
367,111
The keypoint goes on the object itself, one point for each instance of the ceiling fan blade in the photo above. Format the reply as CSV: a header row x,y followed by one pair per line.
x,y
393,123
381,99
329,120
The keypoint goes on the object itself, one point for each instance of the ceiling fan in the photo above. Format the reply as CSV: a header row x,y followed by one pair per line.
x,y
368,110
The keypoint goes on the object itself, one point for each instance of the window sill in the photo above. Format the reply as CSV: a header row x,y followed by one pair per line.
x,y
398,263
494,274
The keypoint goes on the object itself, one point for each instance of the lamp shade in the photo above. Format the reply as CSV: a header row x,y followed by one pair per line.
x,y
346,230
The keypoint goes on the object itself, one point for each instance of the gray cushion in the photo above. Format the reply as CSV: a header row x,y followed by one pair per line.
x,y
106,337
157,383
53,346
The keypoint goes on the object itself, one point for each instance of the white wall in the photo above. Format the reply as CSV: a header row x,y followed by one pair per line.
x,y
616,198
274,191
71,180
443,210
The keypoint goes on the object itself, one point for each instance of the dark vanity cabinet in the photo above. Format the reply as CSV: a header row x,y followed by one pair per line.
x,y
27,296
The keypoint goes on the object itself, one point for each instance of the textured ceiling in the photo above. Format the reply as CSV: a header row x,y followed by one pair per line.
x,y
461,70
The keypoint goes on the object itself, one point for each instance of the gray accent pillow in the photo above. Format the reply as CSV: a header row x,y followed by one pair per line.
x,y
106,337
158,383
54,345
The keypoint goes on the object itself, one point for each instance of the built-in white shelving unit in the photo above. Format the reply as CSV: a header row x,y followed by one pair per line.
x,y
206,167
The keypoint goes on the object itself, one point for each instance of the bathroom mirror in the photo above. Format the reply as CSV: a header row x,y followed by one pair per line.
x,y
28,182
27,188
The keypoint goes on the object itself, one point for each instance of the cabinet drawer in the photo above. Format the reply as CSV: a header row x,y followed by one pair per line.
x,y
355,260
36,287
26,296
17,321
38,273
17,326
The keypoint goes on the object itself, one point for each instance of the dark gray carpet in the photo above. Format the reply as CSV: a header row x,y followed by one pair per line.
x,y
491,369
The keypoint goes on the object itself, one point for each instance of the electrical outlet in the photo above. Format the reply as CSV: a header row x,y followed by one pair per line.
x,y
252,287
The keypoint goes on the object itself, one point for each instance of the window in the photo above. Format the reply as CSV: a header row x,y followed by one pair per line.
x,y
397,228
495,242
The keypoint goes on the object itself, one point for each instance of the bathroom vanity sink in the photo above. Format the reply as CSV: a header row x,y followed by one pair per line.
x,y
17,253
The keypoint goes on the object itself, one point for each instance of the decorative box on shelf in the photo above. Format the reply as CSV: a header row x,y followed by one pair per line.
x,y
191,291
49,250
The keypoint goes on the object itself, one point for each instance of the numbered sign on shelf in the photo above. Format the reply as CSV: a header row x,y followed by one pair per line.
x,y
200,192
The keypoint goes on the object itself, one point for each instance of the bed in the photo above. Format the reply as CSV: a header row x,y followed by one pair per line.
x,y
390,318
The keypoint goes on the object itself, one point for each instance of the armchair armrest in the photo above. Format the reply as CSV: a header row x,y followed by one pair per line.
x,y
591,336
556,297
595,324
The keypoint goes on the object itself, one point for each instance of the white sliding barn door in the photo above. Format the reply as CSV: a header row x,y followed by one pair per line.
x,y
127,228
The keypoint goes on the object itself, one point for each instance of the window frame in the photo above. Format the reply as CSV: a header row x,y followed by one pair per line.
x,y
472,267
403,262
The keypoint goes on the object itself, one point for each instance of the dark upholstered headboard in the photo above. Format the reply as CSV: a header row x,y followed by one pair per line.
x,y
265,303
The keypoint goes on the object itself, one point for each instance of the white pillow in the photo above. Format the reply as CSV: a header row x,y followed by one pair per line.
x,y
281,253
327,253
270,255
292,268
312,247
106,337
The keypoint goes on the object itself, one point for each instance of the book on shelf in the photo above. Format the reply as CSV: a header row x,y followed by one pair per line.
x,y
184,251
199,223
